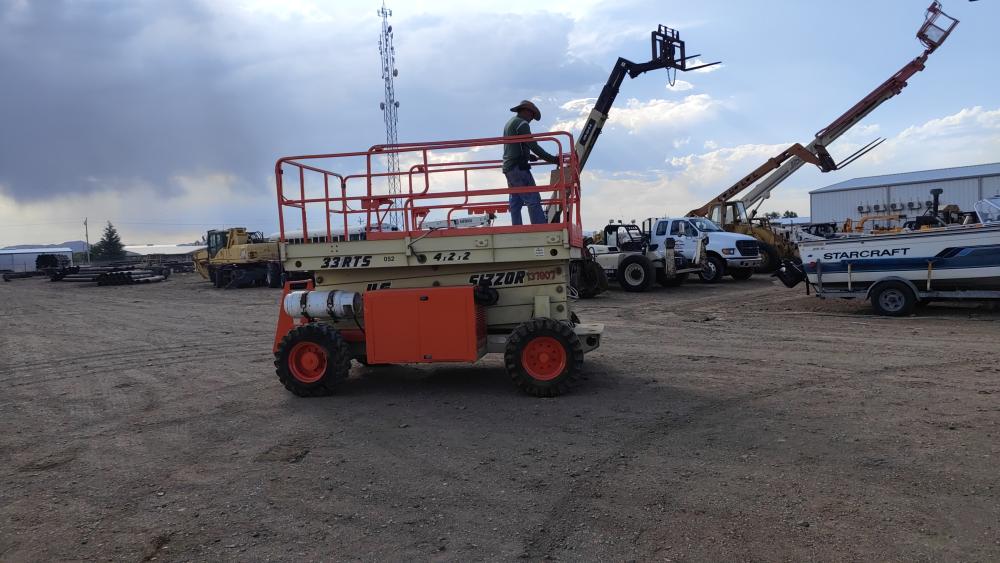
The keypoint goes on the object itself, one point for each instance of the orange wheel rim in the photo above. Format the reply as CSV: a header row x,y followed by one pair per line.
x,y
307,362
544,358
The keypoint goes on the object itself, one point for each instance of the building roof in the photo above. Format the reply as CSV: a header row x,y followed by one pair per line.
x,y
939,174
162,249
790,220
46,250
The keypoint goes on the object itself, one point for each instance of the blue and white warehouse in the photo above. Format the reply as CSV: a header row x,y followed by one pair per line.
x,y
908,193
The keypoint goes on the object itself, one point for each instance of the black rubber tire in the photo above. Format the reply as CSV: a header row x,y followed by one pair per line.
x,y
522,336
741,274
636,273
770,261
602,278
338,359
715,270
592,279
662,279
272,278
235,278
893,299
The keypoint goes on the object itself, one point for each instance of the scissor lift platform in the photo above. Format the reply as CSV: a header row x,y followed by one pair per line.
x,y
515,279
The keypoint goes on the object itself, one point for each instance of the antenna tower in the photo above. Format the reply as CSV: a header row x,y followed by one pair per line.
x,y
389,105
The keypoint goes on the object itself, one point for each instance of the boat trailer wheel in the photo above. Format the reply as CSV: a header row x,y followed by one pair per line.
x,y
893,299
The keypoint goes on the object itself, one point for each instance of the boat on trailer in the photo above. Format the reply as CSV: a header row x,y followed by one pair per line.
x,y
898,271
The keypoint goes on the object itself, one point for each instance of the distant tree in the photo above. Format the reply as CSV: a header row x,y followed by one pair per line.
x,y
110,246
46,261
772,215
789,214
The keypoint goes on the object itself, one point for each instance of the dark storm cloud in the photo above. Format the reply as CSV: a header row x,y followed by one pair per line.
x,y
107,92
117,94
99,95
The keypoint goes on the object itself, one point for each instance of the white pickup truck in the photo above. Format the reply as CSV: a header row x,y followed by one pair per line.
x,y
725,253
668,249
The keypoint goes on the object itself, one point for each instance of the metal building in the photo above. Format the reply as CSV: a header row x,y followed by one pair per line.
x,y
908,193
162,250
23,259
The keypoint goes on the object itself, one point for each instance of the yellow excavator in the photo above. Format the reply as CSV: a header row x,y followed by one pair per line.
x,y
239,258
732,214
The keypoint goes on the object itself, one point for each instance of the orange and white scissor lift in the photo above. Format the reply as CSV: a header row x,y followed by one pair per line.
x,y
419,282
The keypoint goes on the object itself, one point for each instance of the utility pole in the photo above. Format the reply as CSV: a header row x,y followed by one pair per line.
x,y
86,234
389,105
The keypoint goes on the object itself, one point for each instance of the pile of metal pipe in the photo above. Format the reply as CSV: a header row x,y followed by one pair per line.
x,y
129,277
77,274
110,275
7,276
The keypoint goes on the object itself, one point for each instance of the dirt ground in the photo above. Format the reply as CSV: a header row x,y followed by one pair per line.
x,y
740,421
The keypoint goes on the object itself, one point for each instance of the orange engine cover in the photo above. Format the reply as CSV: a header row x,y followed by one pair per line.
x,y
434,324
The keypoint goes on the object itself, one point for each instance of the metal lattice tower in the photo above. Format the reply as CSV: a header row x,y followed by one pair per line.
x,y
389,105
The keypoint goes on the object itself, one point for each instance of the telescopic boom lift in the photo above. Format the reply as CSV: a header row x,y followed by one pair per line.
x,y
936,28
667,51
732,214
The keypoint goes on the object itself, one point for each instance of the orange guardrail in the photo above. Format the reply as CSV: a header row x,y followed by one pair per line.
x,y
436,179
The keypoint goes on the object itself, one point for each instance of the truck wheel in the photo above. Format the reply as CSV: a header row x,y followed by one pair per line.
x,y
312,359
662,279
592,279
769,259
893,299
741,274
272,278
544,357
635,273
713,270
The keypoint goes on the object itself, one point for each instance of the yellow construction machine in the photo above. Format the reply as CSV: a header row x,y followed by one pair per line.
x,y
239,258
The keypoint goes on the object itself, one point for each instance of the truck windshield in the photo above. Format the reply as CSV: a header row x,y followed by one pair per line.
x,y
704,224
989,210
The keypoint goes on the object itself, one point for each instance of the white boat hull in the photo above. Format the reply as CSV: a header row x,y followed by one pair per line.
x,y
952,258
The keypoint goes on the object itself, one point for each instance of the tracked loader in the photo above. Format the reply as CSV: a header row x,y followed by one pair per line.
x,y
239,258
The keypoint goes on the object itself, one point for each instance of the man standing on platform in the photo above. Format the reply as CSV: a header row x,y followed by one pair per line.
x,y
516,167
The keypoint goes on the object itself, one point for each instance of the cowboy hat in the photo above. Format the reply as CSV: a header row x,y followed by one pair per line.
x,y
528,105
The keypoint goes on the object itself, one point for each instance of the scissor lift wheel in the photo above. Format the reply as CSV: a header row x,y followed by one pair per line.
x,y
544,357
312,359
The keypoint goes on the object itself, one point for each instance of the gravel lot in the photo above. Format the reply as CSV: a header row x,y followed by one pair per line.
x,y
740,421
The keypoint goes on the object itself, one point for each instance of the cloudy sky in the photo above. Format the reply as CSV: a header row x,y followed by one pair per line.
x,y
166,117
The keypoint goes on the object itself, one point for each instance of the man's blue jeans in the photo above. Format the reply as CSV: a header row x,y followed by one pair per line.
x,y
518,178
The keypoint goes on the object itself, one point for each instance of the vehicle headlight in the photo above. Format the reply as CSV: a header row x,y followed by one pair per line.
x,y
728,251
